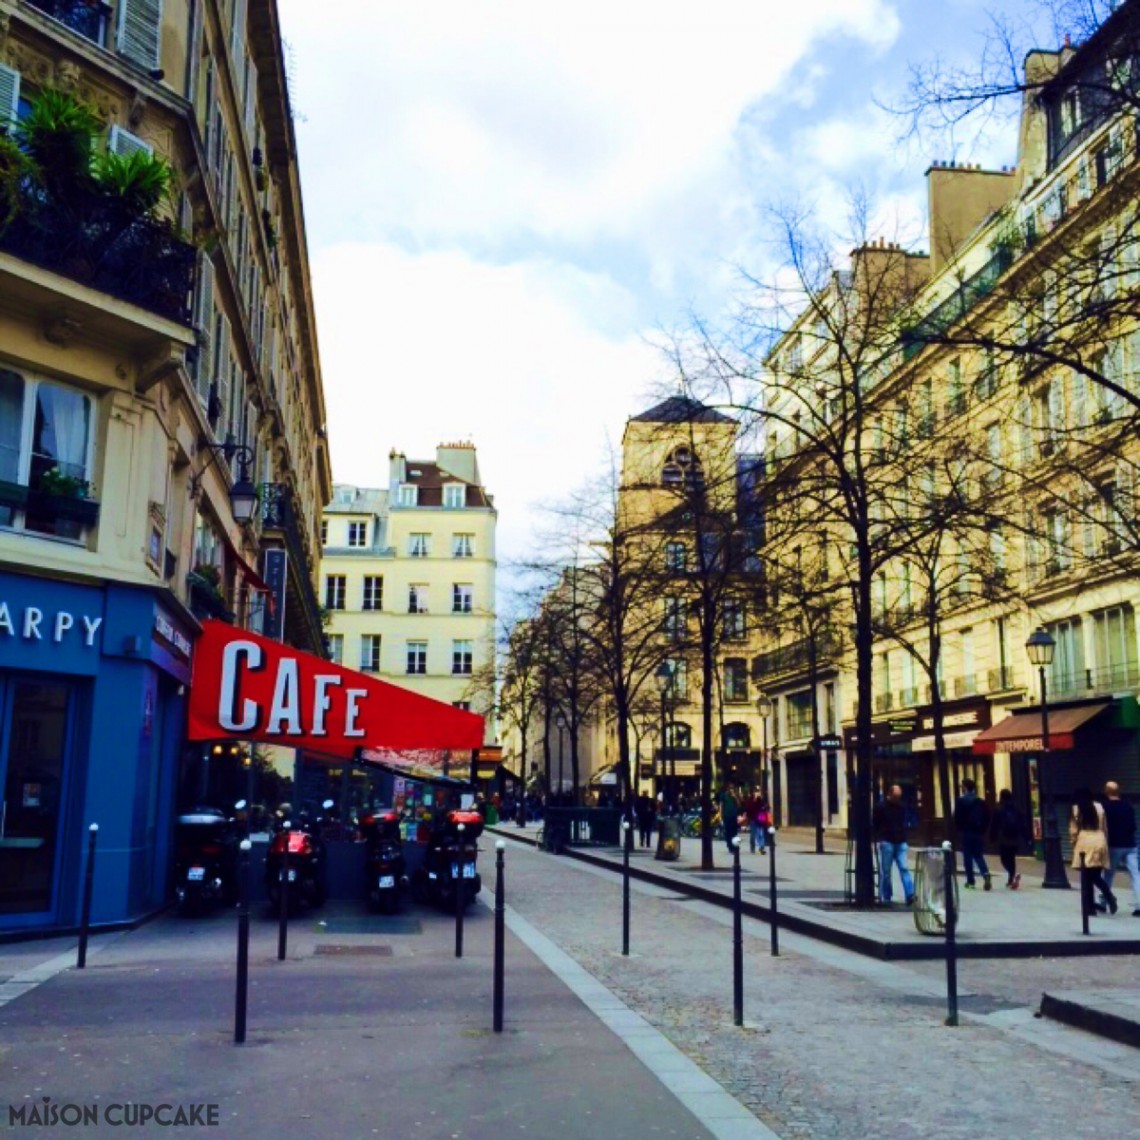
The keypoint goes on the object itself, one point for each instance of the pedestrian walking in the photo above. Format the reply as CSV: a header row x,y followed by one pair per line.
x,y
1089,834
646,812
1120,819
971,819
1008,830
889,823
761,821
729,810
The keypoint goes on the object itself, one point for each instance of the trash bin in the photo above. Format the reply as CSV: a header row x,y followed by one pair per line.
x,y
930,891
668,838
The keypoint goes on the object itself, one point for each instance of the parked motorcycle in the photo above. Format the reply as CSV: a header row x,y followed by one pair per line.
x,y
298,850
386,869
206,860
450,858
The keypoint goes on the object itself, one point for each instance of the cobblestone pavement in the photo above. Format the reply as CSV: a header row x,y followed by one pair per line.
x,y
830,1051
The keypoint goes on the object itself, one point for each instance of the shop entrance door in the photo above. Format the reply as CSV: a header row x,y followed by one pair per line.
x,y
34,734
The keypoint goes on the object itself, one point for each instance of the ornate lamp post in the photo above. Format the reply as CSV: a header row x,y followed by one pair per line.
x,y
663,677
1040,647
764,707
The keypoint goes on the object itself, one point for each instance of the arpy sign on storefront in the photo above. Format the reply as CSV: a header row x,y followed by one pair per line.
x,y
251,688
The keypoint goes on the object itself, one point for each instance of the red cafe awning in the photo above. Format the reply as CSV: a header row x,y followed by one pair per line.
x,y
1022,731
248,687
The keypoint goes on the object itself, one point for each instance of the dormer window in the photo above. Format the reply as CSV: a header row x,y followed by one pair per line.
x,y
682,469
408,495
454,495
1070,112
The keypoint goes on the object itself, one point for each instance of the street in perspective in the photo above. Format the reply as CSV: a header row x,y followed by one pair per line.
x,y
570,570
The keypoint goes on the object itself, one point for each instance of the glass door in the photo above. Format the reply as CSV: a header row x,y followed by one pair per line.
x,y
33,753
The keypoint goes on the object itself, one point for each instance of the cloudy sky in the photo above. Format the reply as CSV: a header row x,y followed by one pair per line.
x,y
507,200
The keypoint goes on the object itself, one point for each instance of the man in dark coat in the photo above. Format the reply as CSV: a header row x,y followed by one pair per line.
x,y
889,823
972,819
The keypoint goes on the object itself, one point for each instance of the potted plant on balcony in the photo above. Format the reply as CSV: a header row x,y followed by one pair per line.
x,y
61,497
206,594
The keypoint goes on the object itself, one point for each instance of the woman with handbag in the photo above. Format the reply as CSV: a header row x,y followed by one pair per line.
x,y
1089,834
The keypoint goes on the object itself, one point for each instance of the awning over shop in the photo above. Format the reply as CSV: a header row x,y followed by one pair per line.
x,y
604,777
1022,731
252,688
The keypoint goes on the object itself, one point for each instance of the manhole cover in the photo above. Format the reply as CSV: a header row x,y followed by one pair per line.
x,y
371,924
355,951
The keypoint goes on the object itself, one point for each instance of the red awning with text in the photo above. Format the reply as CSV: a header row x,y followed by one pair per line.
x,y
248,687
1022,732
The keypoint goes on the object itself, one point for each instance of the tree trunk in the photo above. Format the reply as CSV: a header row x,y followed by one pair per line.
x,y
706,741
864,747
816,751
941,759
547,716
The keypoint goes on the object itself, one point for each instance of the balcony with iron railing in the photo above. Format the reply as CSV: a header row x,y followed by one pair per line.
x,y
794,657
1103,680
87,18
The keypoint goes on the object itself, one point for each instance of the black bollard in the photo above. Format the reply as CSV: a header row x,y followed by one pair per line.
x,y
241,1000
88,891
500,923
1086,896
772,899
460,892
951,935
737,938
283,901
625,887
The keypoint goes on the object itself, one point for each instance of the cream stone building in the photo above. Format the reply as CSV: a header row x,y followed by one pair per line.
x,y
408,578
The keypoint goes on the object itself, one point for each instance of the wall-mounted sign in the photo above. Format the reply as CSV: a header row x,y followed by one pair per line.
x,y
33,623
829,743
176,640
951,720
275,568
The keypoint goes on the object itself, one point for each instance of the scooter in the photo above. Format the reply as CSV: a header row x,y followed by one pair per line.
x,y
386,869
206,862
297,850
449,860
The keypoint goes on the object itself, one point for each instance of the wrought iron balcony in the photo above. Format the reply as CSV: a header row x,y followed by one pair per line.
x,y
48,513
794,657
1101,680
89,18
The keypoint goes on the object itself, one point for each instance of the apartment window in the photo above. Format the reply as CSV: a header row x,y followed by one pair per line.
x,y
969,682
324,532
956,393
1114,647
830,723
335,591
1070,113
45,446
675,618
357,534
407,495
417,657
463,706
462,657
678,736
733,620
370,652
417,598
373,592
87,19
679,685
462,598
454,495
336,648
799,714
1067,670
419,545
676,556
462,546
735,680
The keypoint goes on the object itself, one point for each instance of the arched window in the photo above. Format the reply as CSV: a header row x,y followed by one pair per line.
x,y
682,469
736,736
678,735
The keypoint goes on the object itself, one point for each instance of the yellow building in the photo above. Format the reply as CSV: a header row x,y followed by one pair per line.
x,y
158,366
408,579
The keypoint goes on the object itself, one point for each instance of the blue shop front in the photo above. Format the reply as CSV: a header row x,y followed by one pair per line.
x,y
93,685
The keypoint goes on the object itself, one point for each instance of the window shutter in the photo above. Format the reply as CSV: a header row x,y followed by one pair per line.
x,y
250,99
9,96
222,375
124,143
204,319
140,31
237,33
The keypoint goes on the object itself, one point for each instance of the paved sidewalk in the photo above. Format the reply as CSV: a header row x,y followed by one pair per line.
x,y
995,923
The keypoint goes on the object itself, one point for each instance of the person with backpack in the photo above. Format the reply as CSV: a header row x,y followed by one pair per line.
x,y
761,820
1008,830
971,819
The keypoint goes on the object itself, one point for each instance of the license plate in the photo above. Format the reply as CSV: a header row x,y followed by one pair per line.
x,y
468,870
387,881
195,874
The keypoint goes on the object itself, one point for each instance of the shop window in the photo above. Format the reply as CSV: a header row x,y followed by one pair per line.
x,y
46,444
736,737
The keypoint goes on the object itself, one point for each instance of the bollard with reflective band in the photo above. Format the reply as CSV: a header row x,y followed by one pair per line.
x,y
625,887
951,934
737,938
283,900
88,892
241,1000
500,922
459,895
772,899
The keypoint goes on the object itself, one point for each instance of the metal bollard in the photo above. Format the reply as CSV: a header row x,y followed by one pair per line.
x,y
772,896
951,934
500,933
1086,896
625,887
241,1000
459,895
88,891
737,938
283,900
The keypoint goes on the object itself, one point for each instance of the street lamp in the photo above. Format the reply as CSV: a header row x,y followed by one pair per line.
x,y
663,676
1040,648
764,707
243,494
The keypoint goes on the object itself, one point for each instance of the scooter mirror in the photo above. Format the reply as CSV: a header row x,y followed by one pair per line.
x,y
327,804
240,805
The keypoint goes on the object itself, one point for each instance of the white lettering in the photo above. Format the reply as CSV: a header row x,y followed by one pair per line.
x,y
32,619
6,620
91,628
352,711
63,622
321,700
227,701
286,701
